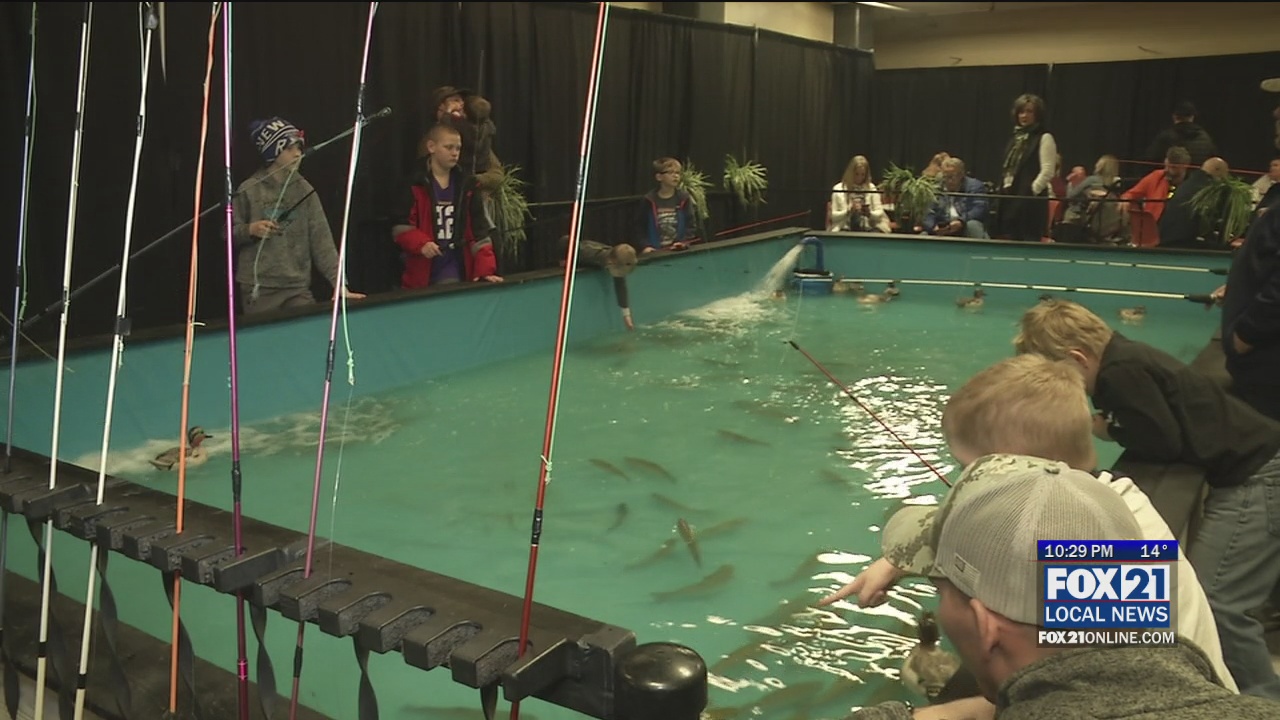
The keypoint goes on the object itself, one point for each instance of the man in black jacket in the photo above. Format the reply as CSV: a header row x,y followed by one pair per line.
x,y
1251,317
1184,133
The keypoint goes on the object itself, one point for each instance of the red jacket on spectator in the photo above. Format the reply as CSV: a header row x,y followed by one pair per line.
x,y
1144,218
416,212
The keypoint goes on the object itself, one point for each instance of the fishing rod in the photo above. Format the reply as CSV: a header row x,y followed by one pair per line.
x,y
237,515
1024,286
1099,263
19,279
176,641
19,307
339,301
42,645
870,412
566,305
57,305
149,22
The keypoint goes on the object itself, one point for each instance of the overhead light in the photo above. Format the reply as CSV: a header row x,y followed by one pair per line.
x,y
883,6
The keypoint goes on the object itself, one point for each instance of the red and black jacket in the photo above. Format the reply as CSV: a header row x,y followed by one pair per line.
x,y
414,223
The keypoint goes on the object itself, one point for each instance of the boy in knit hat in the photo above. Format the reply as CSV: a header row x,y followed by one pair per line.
x,y
986,570
280,228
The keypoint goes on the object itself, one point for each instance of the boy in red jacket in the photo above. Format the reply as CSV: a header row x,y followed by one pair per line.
x,y
442,228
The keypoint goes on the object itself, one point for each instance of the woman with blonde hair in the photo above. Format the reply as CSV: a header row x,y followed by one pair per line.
x,y
855,202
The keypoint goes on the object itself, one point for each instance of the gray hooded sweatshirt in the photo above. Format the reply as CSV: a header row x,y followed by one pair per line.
x,y
304,240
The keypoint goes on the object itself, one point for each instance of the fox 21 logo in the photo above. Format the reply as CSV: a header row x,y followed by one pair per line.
x,y
1131,583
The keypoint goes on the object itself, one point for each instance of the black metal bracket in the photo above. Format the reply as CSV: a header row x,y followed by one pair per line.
x,y
432,620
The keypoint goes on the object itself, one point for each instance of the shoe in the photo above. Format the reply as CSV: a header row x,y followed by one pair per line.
x,y
1271,85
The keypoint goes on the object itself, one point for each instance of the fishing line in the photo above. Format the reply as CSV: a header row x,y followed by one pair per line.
x,y
180,522
147,24
339,302
870,412
19,309
566,305
42,645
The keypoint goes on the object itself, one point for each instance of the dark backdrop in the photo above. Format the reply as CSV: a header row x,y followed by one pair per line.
x,y
670,86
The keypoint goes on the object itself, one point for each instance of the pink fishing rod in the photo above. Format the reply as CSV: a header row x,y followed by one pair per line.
x,y
237,516
339,298
566,302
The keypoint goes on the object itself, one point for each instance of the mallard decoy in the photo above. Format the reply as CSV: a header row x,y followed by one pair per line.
x,y
168,459
852,287
928,667
972,303
1046,297
1133,314
890,292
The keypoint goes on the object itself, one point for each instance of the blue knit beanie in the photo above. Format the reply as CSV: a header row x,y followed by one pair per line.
x,y
273,135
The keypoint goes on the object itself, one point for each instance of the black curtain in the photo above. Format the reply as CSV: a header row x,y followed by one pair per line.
x,y
669,86
1119,108
964,111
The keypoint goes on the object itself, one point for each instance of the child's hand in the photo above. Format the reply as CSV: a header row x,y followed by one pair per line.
x,y
678,246
626,320
647,249
871,586
430,250
1100,427
263,228
492,278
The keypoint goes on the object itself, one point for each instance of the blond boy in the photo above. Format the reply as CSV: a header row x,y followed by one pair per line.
x,y
1026,406
1160,410
669,219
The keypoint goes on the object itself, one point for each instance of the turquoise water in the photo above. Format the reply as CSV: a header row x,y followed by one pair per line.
x,y
785,479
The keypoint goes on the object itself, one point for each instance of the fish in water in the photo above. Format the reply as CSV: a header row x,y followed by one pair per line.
x,y
674,504
620,515
763,410
651,467
722,528
168,459
739,438
804,572
690,540
658,554
832,477
928,667
708,584
610,468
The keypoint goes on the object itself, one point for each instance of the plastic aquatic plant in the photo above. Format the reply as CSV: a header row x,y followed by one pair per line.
x,y
748,181
912,194
694,182
512,209
1224,204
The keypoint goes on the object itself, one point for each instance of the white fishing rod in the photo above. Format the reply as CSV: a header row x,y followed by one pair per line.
x,y
1100,263
147,17
42,646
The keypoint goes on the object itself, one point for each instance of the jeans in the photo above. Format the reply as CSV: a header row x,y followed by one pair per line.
x,y
1237,556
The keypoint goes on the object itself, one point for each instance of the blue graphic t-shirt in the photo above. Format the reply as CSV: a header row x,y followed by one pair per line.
x,y
447,267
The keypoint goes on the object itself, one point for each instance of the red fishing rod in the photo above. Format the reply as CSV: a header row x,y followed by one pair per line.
x,y
870,412
566,301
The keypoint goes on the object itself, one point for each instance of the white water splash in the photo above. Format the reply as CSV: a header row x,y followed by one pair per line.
x,y
739,313
371,421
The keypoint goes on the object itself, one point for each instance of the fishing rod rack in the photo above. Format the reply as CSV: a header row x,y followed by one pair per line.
x,y
432,620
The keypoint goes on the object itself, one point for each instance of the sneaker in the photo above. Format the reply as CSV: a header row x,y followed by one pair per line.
x,y
1271,84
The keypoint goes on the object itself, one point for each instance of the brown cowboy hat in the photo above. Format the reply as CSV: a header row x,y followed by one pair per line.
x,y
440,94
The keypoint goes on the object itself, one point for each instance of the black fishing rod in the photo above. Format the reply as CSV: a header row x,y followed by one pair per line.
x,y
57,305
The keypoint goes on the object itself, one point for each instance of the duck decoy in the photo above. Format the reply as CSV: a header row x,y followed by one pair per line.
x,y
168,459
928,667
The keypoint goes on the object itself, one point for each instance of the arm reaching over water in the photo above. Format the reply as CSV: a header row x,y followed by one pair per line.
x,y
907,546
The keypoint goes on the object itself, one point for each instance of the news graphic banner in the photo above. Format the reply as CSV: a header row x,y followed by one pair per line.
x,y
1108,592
